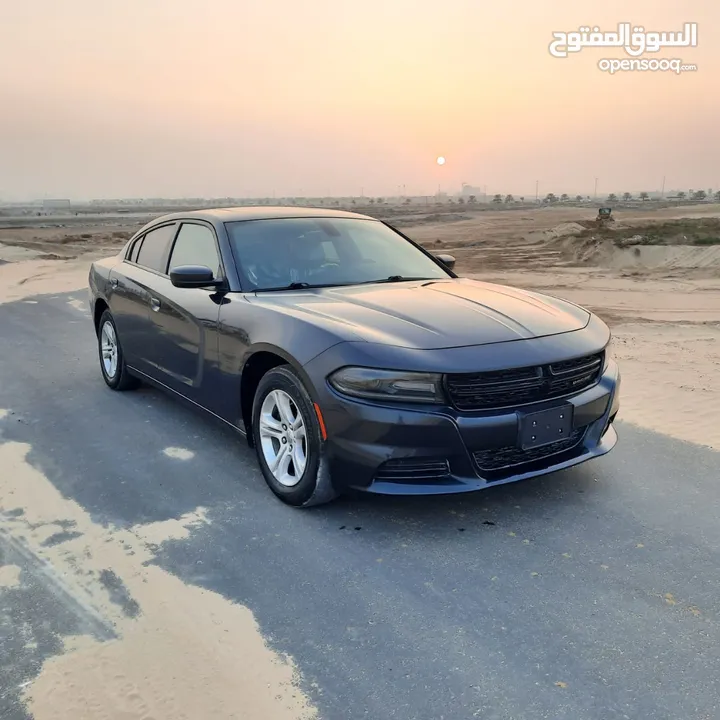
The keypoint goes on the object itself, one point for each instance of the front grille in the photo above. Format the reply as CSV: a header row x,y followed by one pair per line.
x,y
512,457
413,470
520,386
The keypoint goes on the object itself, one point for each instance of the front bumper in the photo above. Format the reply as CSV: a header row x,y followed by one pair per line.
x,y
410,450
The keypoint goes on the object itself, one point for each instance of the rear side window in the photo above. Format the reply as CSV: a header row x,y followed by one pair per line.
x,y
133,256
153,251
195,245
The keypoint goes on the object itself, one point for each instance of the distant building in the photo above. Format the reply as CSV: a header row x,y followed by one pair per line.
x,y
468,190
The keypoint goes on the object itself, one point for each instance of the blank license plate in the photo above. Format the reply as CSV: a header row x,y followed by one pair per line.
x,y
545,427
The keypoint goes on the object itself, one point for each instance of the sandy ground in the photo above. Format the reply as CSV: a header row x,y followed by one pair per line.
x,y
176,659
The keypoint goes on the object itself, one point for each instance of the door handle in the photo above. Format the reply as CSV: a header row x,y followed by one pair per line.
x,y
114,283
155,304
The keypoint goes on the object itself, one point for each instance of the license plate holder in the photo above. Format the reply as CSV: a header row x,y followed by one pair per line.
x,y
546,426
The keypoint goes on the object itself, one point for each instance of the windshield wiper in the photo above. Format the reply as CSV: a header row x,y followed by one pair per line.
x,y
296,286
306,286
395,278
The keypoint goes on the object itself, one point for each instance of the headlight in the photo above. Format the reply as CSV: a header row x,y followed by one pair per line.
x,y
388,385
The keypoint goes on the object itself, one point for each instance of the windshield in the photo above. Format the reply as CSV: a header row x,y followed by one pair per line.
x,y
301,252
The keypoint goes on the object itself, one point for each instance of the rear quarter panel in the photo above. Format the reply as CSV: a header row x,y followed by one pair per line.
x,y
99,281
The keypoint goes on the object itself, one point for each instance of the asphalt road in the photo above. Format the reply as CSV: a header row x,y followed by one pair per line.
x,y
545,599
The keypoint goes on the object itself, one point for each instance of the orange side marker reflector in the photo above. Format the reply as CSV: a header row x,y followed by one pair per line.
x,y
323,431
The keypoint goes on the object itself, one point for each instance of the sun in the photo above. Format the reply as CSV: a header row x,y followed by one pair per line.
x,y
440,160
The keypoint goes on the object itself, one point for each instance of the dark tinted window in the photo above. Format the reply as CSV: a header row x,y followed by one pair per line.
x,y
324,251
195,245
134,250
154,248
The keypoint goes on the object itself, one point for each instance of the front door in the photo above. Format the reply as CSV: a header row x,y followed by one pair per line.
x,y
185,320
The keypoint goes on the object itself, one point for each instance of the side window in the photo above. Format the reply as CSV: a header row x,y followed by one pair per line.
x,y
134,250
152,254
195,245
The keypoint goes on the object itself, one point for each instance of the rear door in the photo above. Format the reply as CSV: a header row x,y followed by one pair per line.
x,y
131,286
185,320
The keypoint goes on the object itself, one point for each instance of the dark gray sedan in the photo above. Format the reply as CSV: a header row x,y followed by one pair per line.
x,y
350,357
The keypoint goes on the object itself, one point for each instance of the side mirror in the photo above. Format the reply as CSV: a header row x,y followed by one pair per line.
x,y
193,276
447,260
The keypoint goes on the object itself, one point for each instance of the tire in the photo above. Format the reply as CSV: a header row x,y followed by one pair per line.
x,y
116,375
299,486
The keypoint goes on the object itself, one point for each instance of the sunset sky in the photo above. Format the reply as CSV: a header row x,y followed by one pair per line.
x,y
169,98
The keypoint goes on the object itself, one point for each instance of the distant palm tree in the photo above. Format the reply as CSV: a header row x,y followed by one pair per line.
x,y
497,198
612,197
681,195
717,196
550,198
461,201
700,195
509,199
522,198
472,200
627,196
644,196
564,197
372,201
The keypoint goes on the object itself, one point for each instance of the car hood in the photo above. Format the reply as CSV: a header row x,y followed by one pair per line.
x,y
430,314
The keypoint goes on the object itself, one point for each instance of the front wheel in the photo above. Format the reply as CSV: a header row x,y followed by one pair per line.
x,y
112,360
288,440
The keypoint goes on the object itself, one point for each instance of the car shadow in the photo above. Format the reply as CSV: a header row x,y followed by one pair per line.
x,y
566,491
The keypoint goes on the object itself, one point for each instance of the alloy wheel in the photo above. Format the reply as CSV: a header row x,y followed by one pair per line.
x,y
109,349
283,438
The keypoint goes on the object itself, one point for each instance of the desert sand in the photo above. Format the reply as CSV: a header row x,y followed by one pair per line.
x,y
167,650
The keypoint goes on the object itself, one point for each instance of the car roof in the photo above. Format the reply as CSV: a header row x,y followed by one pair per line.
x,y
259,212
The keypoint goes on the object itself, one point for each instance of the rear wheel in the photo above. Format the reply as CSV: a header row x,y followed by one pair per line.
x,y
112,361
288,440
